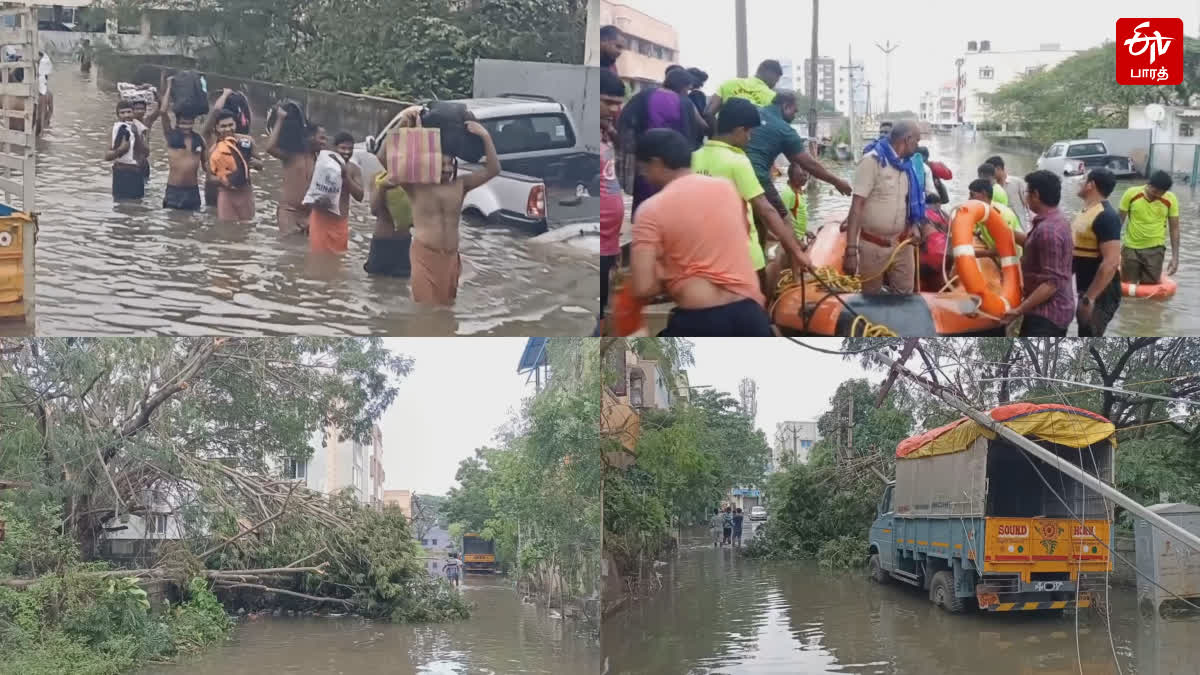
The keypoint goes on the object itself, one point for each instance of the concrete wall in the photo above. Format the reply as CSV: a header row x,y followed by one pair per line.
x,y
63,46
575,86
358,114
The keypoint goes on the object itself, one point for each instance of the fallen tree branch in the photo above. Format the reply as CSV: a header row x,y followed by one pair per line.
x,y
247,531
310,555
269,589
163,572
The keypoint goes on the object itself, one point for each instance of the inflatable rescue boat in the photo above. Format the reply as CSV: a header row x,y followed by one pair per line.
x,y
972,304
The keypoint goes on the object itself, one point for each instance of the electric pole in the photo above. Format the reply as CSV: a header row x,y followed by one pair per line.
x,y
887,89
739,20
958,91
812,73
849,68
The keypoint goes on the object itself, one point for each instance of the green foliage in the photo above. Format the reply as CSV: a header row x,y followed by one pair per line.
x,y
845,552
33,544
1081,92
83,623
406,49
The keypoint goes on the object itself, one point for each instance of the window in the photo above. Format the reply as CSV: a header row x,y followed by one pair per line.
x,y
636,382
986,73
295,469
1085,149
805,444
530,133
424,542
156,523
1055,150
121,547
1185,129
885,505
433,542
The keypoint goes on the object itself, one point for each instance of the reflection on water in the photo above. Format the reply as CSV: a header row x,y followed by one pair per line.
x,y
137,268
1178,316
721,613
502,636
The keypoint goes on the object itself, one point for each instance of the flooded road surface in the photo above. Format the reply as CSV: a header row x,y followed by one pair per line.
x,y
1178,316
502,636
719,612
137,268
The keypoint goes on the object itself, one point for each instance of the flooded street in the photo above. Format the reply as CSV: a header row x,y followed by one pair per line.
x,y
503,635
137,268
719,612
1178,316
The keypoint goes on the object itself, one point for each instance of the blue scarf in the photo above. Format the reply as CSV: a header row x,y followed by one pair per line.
x,y
916,196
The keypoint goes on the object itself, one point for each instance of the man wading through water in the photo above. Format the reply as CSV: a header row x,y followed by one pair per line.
x,y
291,215
186,153
437,212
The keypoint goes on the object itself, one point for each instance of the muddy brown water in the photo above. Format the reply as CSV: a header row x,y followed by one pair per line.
x,y
137,268
502,636
719,612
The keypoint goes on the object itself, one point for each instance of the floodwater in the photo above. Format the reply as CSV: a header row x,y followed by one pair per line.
x,y
502,636
137,268
719,612
1179,315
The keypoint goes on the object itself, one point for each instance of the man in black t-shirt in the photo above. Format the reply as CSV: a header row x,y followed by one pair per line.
x,y
1097,234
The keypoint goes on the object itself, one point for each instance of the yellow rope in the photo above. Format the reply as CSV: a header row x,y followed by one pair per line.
x,y
838,282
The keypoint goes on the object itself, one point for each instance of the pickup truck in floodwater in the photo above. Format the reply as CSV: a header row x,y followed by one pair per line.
x,y
979,523
1075,158
544,168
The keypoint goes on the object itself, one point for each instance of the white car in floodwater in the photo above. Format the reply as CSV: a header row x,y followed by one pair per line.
x,y
758,513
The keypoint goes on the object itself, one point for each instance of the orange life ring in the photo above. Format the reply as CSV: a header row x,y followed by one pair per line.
x,y
962,242
628,311
1164,289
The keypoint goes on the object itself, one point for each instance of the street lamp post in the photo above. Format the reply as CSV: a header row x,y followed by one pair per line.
x,y
958,91
739,20
887,91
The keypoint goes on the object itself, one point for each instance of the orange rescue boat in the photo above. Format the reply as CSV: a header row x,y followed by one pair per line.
x,y
972,304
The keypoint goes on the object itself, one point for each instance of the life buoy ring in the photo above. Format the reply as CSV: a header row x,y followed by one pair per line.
x,y
962,242
628,311
1164,289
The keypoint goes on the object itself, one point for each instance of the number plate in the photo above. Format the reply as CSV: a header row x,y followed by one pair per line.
x,y
1047,585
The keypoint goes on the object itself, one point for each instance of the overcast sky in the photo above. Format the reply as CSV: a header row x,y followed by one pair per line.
x,y
931,33
460,391
794,383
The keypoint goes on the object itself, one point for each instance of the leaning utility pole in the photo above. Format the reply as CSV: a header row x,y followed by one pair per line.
x,y
739,20
958,91
1078,473
887,90
812,74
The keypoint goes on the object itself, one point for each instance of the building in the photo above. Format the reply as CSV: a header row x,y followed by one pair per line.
x,y
402,499
376,474
743,498
651,45
134,539
436,543
861,89
1173,138
826,79
937,105
793,443
791,78
983,70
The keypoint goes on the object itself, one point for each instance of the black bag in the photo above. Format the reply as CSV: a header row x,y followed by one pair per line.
x,y
293,136
451,119
188,97
239,105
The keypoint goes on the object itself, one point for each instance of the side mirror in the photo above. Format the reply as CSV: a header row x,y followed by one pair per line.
x,y
369,142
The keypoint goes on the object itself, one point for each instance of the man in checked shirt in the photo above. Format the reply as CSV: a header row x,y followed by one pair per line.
x,y
1049,304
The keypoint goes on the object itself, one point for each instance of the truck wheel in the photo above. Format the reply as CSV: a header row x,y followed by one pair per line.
x,y
941,592
877,572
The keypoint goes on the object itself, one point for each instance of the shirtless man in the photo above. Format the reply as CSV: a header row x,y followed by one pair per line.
x,y
144,123
186,152
291,215
437,210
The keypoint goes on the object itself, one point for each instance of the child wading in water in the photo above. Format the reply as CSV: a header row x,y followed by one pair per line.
x,y
452,569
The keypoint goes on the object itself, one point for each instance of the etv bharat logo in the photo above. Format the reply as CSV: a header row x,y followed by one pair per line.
x,y
1149,51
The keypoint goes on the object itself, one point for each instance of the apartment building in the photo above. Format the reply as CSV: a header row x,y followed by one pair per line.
x,y
651,44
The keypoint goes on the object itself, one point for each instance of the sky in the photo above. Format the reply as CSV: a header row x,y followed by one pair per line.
x,y
460,391
794,383
931,33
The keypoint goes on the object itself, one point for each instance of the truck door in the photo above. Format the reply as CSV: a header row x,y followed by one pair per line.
x,y
882,530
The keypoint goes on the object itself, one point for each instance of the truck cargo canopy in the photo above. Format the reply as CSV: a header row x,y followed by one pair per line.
x,y
1054,423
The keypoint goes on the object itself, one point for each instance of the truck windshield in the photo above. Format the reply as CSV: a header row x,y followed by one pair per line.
x,y
1085,149
530,133
885,504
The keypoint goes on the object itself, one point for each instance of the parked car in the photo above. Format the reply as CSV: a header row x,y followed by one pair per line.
x,y
1077,157
758,513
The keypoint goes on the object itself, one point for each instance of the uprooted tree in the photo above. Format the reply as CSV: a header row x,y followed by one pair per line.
x,y
105,428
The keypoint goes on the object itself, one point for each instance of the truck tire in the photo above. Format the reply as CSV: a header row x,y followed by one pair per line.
x,y
941,592
877,572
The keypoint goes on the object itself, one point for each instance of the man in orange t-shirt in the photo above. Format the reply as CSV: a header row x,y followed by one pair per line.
x,y
690,239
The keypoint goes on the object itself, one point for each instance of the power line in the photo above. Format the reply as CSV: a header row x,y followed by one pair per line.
x,y
837,352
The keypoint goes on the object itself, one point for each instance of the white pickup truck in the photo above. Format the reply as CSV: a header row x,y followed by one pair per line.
x,y
527,132
1077,157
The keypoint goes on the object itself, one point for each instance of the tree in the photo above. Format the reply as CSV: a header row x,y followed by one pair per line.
x,y
468,502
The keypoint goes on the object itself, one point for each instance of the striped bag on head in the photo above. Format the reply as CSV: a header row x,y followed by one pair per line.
x,y
414,155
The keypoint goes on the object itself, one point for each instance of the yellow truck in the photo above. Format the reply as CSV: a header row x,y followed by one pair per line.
x,y
978,522
479,554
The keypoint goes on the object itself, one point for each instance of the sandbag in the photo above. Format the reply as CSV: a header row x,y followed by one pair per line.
x,y
188,95
451,119
414,155
325,188
293,137
239,105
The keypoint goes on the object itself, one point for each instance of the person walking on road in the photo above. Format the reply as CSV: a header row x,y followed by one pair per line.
x,y
737,528
715,524
727,526
453,569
